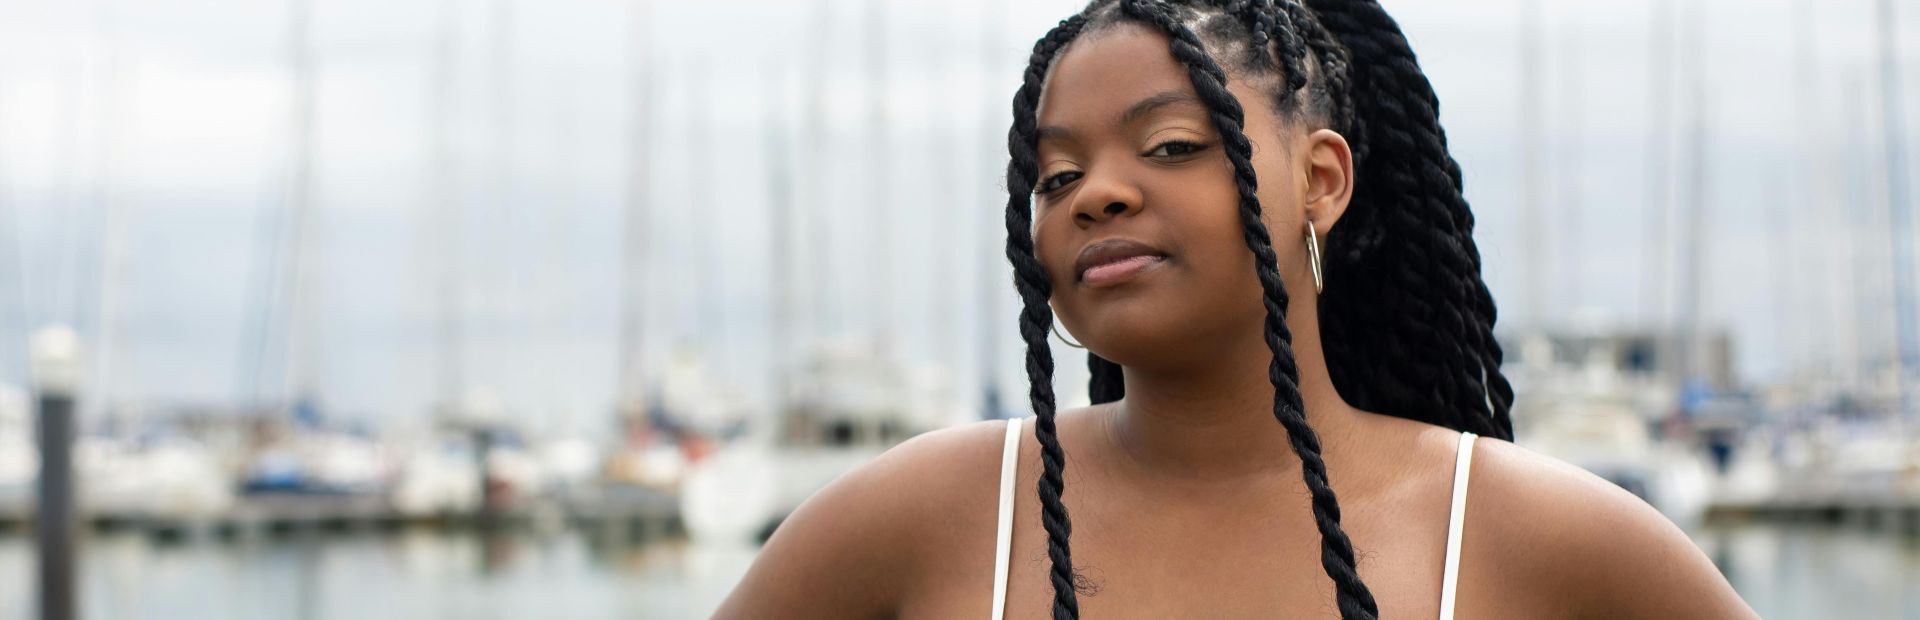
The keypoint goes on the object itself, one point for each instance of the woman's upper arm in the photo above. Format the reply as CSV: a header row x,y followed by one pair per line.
x,y
1596,550
838,555
1643,566
851,550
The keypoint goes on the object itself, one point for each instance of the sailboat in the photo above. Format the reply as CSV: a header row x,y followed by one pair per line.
x,y
295,451
19,456
1597,395
136,467
849,404
842,403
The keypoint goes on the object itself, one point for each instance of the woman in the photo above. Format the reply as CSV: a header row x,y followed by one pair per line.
x,y
1154,144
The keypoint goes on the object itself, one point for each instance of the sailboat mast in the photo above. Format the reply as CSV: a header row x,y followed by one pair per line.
x,y
112,224
446,224
300,368
1532,224
781,268
1899,214
878,183
1860,253
826,312
509,280
943,341
1812,174
634,241
991,158
709,270
1693,239
12,259
1571,189
1659,188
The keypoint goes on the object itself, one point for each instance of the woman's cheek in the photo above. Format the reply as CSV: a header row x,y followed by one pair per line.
x,y
1051,248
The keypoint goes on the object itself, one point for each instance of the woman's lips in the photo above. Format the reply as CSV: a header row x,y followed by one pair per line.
x,y
1116,272
1114,260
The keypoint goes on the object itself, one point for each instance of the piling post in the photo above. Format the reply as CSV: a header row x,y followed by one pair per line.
x,y
55,364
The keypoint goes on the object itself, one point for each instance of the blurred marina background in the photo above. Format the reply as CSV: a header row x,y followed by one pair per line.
x,y
496,308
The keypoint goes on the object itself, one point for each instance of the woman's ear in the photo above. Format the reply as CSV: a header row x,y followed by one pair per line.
x,y
1329,168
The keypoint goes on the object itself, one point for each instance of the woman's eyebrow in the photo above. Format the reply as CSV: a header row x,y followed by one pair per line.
x,y
1155,102
1133,113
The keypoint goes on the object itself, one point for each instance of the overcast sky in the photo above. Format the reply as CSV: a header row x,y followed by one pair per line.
x,y
161,131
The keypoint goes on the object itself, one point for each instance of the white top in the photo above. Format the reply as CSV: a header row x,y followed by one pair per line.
x,y
1456,517
1010,458
1003,544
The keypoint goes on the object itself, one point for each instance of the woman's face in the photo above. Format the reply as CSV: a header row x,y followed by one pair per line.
x,y
1136,213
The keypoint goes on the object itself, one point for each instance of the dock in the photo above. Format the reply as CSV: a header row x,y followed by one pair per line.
x,y
625,511
1879,509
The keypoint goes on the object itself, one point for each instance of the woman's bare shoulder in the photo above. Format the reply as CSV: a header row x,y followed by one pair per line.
x,y
931,479
854,547
1584,543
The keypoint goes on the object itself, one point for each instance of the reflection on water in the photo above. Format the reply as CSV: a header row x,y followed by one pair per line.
x,y
412,574
1818,571
1783,571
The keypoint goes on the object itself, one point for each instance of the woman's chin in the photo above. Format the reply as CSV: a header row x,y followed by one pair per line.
x,y
1146,344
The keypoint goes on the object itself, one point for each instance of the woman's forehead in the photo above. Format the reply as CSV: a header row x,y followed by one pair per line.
x,y
1104,72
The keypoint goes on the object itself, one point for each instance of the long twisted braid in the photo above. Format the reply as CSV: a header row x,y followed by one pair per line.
x,y
1406,318
1036,317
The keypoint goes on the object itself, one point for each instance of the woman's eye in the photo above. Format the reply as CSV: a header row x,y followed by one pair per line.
x,y
1057,181
1173,149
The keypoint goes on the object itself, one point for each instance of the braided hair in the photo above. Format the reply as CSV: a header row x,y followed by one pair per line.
x,y
1406,319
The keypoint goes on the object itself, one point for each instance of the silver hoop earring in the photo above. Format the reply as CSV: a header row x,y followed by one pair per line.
x,y
1063,337
1313,256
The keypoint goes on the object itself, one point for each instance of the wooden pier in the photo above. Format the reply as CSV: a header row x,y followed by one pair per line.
x,y
1886,511
633,512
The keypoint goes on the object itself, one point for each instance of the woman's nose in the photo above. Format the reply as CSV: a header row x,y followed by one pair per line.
x,y
1105,199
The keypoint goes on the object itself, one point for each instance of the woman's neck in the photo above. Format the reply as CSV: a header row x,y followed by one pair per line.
x,y
1215,421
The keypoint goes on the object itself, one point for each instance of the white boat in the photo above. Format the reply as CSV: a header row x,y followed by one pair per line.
x,y
1595,399
165,476
850,404
19,456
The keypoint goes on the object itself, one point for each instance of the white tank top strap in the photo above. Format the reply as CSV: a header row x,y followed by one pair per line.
x,y
1456,517
1003,543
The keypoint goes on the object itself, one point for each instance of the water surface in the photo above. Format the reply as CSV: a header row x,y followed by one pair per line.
x,y
1784,571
